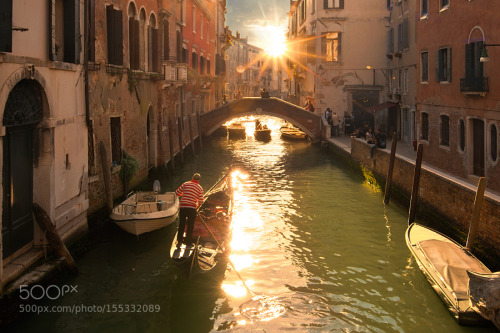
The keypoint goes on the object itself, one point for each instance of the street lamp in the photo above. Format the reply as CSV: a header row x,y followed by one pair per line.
x,y
484,53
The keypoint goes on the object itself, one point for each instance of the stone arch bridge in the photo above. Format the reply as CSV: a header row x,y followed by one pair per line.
x,y
307,121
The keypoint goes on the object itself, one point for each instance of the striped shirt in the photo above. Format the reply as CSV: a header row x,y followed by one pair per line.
x,y
191,194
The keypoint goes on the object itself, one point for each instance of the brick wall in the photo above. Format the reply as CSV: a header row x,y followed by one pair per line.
x,y
445,197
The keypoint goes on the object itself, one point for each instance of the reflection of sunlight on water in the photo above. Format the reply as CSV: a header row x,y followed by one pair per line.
x,y
236,288
242,261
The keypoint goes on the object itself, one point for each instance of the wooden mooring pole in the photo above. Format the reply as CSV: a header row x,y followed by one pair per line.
x,y
55,241
478,203
416,181
181,143
106,175
391,168
199,129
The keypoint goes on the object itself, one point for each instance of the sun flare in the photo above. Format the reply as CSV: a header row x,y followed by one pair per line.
x,y
273,40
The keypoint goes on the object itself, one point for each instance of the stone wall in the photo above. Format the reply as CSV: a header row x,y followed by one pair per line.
x,y
442,199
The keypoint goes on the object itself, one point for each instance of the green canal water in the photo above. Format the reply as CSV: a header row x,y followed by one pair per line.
x,y
308,232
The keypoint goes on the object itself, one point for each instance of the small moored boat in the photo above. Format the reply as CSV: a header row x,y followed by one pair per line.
x,y
292,133
212,232
445,263
146,211
236,130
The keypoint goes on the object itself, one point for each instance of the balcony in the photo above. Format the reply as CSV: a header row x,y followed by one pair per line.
x,y
474,86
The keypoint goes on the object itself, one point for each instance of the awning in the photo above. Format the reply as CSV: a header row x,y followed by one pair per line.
x,y
381,106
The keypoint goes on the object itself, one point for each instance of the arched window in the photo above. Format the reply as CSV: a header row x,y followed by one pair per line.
x,y
133,36
142,40
493,143
153,64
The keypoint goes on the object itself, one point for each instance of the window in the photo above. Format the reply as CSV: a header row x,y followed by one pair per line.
x,y
445,130
202,64
400,81
302,12
194,60
406,80
194,19
333,4
493,143
461,128
114,36
474,80
390,41
201,27
208,66
133,37
444,4
406,34
153,63
313,6
424,6
331,46
424,66
6,26
443,65
400,38
116,140
166,40
425,126
64,30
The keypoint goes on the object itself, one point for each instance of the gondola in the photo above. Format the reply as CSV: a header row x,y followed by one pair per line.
x,y
212,232
445,263
236,130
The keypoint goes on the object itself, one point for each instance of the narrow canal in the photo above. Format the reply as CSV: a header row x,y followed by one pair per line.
x,y
308,232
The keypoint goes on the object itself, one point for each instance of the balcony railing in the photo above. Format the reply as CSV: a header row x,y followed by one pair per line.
x,y
474,85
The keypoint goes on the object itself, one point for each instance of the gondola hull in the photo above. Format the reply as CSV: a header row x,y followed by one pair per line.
x,y
212,235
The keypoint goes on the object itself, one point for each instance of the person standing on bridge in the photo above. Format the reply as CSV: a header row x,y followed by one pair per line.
x,y
191,194
309,106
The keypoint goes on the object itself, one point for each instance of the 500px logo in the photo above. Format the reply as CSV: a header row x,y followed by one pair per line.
x,y
52,292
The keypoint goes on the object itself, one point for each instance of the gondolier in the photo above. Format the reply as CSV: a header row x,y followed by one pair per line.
x,y
191,194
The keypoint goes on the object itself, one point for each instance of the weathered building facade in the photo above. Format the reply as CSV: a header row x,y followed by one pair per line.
x,y
44,129
458,100
338,58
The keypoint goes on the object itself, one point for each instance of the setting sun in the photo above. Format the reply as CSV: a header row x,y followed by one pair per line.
x,y
273,40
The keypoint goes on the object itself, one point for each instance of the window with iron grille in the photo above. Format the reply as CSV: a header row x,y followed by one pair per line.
x,y
445,130
443,65
114,35
424,66
333,4
116,140
6,26
425,126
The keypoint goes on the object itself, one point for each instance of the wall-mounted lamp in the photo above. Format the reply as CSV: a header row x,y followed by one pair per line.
x,y
484,53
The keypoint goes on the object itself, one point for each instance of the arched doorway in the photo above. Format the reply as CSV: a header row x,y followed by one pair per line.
x,y
23,111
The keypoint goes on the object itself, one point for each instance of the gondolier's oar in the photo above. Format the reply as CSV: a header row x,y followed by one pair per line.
x,y
232,264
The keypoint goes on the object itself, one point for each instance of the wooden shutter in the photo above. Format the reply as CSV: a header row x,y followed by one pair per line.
x,y
118,37
110,33
339,47
135,36
71,30
448,67
478,65
438,67
150,48
406,34
156,63
6,26
131,45
469,60
166,41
